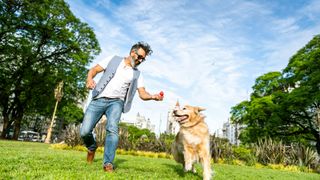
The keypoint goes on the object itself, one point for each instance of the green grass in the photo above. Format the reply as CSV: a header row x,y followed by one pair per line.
x,y
26,160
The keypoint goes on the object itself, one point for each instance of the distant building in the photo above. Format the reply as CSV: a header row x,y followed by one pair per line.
x,y
172,125
231,132
143,123
218,133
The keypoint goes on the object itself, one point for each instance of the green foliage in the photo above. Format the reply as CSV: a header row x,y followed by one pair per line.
x,y
136,133
146,141
72,136
41,43
220,149
133,138
269,151
244,154
285,105
165,142
302,156
267,84
71,113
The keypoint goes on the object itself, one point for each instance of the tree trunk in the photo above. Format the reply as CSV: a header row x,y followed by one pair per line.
x,y
6,126
17,127
318,143
17,117
5,114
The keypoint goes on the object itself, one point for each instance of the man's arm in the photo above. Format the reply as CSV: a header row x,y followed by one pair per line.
x,y
144,95
91,74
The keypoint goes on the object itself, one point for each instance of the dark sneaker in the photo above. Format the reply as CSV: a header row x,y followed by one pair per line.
x,y
90,156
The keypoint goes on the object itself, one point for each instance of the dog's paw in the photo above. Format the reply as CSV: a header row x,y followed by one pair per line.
x,y
187,167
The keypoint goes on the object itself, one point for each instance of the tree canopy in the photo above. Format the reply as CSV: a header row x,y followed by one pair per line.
x,y
41,43
285,104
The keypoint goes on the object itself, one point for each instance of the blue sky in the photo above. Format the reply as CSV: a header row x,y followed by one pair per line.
x,y
205,53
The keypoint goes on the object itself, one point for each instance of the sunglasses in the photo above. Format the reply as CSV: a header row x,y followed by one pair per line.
x,y
140,57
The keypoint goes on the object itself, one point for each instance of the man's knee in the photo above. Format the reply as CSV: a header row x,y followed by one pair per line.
x,y
84,132
112,129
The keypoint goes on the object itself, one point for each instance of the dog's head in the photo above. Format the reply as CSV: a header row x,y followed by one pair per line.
x,y
188,115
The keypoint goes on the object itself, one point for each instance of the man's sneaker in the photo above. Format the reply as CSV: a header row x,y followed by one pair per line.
x,y
108,168
90,156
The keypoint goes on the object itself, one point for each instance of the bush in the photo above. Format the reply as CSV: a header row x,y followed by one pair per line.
x,y
220,148
71,135
244,154
100,133
275,155
302,156
269,151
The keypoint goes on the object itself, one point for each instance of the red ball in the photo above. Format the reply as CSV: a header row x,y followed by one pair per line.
x,y
161,93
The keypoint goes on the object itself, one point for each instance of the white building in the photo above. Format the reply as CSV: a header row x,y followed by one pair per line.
x,y
143,123
218,133
172,125
231,132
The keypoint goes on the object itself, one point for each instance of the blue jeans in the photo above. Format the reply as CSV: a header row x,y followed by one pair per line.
x,y
112,108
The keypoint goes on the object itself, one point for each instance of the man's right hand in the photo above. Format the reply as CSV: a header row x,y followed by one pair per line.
x,y
90,84
91,74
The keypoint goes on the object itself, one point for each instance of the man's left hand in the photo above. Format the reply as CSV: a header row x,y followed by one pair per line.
x,y
157,97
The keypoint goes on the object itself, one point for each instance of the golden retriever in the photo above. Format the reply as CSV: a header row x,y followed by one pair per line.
x,y
191,144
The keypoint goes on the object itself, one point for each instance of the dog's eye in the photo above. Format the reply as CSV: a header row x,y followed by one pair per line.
x,y
184,108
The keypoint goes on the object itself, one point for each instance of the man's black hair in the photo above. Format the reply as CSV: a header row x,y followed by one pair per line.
x,y
145,46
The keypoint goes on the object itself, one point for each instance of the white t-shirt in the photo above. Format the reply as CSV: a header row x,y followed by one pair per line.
x,y
118,85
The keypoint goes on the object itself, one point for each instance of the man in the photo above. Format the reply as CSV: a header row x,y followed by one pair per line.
x,y
111,96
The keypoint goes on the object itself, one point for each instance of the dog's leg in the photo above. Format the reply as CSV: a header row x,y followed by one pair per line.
x,y
187,161
194,161
205,162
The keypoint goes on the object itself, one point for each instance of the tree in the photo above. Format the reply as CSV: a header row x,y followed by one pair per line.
x,y
135,133
41,43
71,113
303,102
285,105
260,114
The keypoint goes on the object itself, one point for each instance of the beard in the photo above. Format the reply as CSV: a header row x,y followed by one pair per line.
x,y
134,62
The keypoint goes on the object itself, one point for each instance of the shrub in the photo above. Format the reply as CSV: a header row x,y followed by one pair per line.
x,y
244,154
237,162
302,156
258,165
100,133
61,146
269,151
220,148
124,142
72,135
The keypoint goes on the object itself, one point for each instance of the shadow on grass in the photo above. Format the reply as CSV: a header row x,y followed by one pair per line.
x,y
116,161
179,170
119,161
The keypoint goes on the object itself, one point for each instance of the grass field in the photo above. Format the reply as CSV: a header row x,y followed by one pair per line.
x,y
26,160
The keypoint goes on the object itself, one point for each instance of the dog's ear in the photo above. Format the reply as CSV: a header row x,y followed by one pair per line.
x,y
200,109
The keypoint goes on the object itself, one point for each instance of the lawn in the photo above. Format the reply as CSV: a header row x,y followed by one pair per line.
x,y
26,160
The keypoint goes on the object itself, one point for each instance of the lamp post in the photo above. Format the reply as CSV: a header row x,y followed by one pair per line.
x,y
58,96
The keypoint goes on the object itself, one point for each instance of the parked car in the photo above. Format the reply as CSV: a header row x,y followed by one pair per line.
x,y
29,136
